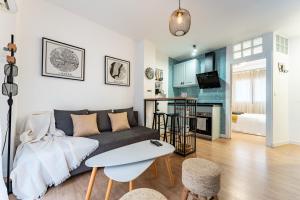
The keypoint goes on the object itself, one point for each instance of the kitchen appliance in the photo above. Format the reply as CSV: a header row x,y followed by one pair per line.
x,y
208,80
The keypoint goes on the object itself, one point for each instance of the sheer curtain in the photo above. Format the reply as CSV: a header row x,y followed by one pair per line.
x,y
249,91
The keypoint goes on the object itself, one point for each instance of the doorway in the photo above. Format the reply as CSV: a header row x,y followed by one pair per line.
x,y
248,94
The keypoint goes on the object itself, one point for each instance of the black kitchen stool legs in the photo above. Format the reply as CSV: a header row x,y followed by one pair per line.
x,y
156,122
174,118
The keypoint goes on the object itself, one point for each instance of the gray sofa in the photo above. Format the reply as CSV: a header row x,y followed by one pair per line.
x,y
107,139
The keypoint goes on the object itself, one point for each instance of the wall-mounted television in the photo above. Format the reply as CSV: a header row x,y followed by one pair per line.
x,y
208,80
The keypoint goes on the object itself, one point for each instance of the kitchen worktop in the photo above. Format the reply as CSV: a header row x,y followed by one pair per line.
x,y
202,104
170,98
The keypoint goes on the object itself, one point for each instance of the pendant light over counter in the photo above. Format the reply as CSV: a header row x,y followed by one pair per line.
x,y
180,22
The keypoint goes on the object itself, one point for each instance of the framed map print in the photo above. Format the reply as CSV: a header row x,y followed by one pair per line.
x,y
62,60
117,71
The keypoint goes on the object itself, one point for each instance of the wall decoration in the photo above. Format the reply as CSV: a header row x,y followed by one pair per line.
x,y
62,60
149,73
159,75
117,71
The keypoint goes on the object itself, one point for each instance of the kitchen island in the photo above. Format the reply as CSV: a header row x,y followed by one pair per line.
x,y
184,138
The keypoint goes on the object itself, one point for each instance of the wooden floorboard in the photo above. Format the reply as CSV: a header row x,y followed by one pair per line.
x,y
251,171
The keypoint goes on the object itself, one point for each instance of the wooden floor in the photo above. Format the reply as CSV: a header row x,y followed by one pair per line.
x,y
251,171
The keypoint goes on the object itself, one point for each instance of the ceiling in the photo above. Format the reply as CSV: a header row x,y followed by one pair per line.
x,y
215,23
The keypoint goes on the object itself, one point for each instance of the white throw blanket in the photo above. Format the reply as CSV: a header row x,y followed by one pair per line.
x,y
46,157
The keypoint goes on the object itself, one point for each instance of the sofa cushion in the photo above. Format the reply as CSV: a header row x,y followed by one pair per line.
x,y
119,121
85,125
103,120
109,140
130,114
63,120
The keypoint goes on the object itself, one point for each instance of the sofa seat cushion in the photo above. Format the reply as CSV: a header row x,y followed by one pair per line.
x,y
112,140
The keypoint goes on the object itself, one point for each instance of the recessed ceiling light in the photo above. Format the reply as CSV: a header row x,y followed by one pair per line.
x,y
195,50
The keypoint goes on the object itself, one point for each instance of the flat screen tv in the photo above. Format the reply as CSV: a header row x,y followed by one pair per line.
x,y
208,80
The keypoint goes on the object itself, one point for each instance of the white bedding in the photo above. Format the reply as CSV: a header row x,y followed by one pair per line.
x,y
250,123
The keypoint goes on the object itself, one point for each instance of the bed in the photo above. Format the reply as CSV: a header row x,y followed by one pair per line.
x,y
249,123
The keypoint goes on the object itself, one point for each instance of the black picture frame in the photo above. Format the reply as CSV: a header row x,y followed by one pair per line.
x,y
62,75
106,71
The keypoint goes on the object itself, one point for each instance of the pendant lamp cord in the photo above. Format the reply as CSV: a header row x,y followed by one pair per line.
x,y
179,5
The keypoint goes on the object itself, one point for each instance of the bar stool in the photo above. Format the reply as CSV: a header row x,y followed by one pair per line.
x,y
156,123
174,119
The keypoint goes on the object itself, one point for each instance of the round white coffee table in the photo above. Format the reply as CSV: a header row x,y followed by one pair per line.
x,y
126,163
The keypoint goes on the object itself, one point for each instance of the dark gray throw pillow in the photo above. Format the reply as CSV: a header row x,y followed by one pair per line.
x,y
131,118
63,120
103,120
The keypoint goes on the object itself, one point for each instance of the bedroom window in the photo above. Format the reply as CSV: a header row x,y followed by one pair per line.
x,y
249,91
248,48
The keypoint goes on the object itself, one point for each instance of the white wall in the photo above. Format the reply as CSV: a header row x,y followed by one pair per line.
x,y
7,24
280,99
148,56
37,19
293,91
268,55
162,62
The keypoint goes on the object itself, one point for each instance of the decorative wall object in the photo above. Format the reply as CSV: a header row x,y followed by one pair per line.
x,y
159,75
282,68
62,60
117,71
149,73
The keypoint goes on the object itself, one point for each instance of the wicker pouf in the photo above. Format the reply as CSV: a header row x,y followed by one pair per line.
x,y
143,194
201,177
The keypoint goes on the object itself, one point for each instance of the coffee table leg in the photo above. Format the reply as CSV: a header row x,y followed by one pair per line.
x,y
108,190
169,169
91,184
130,186
154,169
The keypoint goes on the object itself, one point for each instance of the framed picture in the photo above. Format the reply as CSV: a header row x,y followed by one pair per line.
x,y
62,60
117,71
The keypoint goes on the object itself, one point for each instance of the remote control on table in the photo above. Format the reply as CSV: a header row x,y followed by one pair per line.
x,y
155,142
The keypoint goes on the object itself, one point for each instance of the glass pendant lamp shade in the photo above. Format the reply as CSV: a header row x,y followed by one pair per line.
x,y
180,22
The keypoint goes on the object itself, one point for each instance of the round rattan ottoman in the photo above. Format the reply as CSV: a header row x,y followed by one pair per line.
x,y
143,194
201,178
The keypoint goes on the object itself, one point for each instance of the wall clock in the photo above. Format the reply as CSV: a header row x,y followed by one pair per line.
x,y
149,72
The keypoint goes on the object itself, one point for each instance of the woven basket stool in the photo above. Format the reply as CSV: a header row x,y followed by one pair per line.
x,y
143,194
200,178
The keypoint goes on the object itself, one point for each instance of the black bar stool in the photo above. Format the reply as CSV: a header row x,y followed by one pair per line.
x,y
156,123
174,119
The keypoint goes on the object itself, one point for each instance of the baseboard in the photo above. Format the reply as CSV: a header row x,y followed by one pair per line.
x,y
277,144
295,142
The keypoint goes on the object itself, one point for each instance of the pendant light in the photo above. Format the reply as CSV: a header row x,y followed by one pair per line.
x,y
180,22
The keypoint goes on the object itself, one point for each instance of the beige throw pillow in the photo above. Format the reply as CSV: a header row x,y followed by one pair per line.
x,y
85,125
119,121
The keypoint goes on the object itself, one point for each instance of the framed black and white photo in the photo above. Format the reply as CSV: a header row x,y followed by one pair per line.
x,y
62,60
117,71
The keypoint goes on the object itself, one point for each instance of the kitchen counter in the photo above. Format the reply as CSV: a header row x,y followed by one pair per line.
x,y
181,127
170,98
202,104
